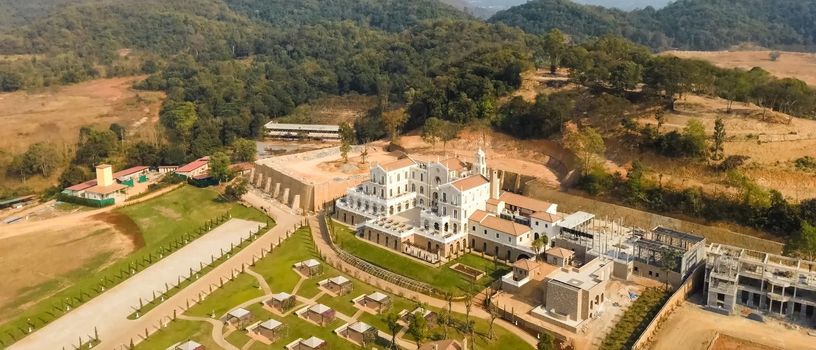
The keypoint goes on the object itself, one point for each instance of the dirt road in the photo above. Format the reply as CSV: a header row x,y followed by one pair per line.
x,y
695,328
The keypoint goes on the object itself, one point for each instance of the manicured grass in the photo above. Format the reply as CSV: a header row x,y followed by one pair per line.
x,y
154,223
442,277
242,288
179,331
635,319
238,338
165,218
275,267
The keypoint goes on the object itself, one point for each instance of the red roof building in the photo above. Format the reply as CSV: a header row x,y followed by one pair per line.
x,y
195,168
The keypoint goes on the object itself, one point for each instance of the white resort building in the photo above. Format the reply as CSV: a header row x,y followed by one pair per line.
x,y
435,210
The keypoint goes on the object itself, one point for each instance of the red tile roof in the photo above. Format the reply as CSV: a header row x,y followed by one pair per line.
x,y
505,226
469,182
453,164
559,252
520,201
398,164
193,165
543,215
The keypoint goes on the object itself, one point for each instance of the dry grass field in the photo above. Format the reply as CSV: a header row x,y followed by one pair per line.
x,y
773,141
790,65
331,110
56,114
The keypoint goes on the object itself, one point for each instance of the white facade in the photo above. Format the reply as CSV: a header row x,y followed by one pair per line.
x,y
408,205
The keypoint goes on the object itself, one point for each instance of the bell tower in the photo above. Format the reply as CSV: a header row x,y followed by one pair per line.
x,y
480,165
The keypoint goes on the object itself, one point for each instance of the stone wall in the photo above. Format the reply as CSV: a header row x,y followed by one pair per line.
x,y
286,189
692,284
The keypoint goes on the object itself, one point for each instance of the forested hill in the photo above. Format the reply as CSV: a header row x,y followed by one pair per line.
x,y
94,27
684,24
77,40
389,15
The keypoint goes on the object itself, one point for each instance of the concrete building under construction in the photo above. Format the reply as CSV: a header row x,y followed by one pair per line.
x,y
769,283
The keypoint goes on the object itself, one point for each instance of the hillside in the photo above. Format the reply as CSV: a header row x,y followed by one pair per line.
x,y
684,24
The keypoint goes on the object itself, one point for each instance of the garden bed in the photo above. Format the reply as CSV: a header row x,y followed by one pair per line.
x,y
473,274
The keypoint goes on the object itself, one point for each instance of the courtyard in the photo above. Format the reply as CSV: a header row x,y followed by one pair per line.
x,y
442,277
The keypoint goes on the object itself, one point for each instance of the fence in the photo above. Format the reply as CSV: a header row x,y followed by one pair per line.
x,y
23,326
693,283
170,289
210,288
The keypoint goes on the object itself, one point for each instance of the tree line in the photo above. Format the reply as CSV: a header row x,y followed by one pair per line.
x,y
683,24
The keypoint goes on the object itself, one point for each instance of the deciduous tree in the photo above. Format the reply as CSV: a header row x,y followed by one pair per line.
x,y
393,121
347,137
587,145
219,167
718,147
243,150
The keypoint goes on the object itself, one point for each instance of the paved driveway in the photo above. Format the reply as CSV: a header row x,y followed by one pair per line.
x,y
108,312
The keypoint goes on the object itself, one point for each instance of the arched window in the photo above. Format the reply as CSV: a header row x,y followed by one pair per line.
x,y
421,189
413,188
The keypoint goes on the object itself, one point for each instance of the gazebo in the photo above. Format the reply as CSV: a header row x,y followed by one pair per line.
x,y
320,314
339,285
282,301
377,301
309,267
271,329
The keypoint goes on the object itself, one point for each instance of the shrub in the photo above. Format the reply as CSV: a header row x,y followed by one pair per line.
x,y
806,163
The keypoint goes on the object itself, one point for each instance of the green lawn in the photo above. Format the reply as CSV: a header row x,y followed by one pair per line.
x,y
179,331
155,223
238,338
277,268
442,277
244,287
181,211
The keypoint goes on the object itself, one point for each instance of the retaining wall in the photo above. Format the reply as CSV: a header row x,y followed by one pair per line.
x,y
689,287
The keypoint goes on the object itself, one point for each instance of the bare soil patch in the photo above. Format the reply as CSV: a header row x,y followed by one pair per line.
x,y
331,110
543,159
30,275
797,65
727,342
695,328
